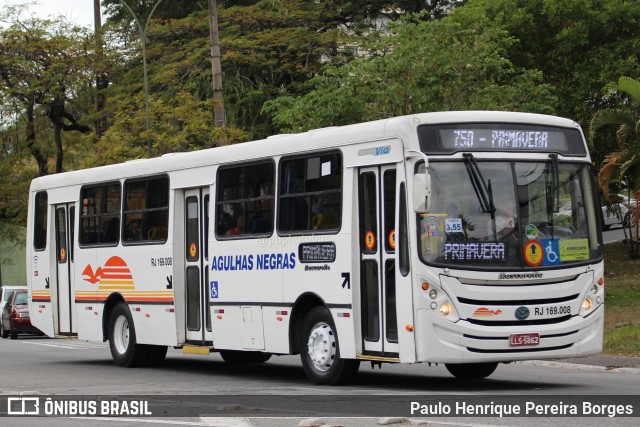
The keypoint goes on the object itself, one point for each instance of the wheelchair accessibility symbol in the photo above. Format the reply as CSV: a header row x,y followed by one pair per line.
x,y
551,252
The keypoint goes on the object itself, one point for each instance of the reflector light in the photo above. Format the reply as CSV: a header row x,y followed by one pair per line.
x,y
425,286
409,328
601,281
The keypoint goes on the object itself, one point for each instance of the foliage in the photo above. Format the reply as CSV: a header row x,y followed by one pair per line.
x,y
457,62
578,45
288,65
623,164
622,324
43,65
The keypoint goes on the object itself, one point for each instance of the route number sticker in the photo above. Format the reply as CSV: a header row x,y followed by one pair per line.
x,y
453,225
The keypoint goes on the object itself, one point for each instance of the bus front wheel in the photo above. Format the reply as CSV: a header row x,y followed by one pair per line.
x,y
471,371
124,348
320,351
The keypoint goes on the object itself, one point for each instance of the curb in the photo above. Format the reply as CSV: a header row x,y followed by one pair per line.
x,y
581,367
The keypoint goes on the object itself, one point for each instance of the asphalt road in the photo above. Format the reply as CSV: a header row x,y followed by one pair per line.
x,y
614,234
194,388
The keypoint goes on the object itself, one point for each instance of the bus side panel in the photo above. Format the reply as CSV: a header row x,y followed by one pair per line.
x,y
142,275
244,275
89,308
329,280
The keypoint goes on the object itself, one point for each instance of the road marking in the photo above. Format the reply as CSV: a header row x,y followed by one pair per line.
x,y
68,346
203,421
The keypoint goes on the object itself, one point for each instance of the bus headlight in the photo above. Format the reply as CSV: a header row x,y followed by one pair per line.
x,y
445,309
587,304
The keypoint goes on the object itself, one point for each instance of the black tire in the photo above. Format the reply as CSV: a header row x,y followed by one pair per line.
x,y
13,334
320,352
125,350
471,371
234,356
3,331
157,354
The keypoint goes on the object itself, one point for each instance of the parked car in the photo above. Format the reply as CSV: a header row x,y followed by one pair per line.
x,y
613,214
15,316
5,293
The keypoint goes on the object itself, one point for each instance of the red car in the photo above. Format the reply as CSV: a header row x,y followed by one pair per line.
x,y
15,316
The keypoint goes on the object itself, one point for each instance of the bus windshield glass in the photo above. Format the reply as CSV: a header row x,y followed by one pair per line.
x,y
510,215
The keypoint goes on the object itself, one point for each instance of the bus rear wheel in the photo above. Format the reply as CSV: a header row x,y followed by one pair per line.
x,y
471,371
320,352
124,348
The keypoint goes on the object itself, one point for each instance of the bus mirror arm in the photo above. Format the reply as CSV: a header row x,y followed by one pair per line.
x,y
422,192
421,183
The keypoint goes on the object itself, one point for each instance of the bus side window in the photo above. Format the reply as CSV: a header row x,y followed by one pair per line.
x,y
310,194
40,221
146,210
245,200
100,214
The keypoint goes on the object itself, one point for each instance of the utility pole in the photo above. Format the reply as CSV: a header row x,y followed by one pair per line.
x,y
216,67
101,77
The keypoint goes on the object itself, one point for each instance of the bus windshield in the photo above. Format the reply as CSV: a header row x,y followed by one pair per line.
x,y
510,215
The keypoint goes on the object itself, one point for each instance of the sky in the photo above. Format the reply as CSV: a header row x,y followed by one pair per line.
x,y
79,12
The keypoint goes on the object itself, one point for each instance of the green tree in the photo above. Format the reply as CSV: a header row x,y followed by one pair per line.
x,y
457,62
44,64
578,45
622,164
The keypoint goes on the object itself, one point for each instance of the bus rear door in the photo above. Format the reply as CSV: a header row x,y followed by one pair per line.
x,y
198,318
65,285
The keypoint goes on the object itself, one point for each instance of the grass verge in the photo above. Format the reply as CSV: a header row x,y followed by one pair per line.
x,y
622,302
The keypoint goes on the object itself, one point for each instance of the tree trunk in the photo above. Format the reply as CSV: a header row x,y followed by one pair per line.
x,y
31,143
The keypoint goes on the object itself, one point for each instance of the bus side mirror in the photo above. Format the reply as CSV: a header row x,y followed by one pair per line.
x,y
421,192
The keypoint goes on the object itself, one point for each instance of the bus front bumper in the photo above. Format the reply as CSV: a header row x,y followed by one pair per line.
x,y
443,341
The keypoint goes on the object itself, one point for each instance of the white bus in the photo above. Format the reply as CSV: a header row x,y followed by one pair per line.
x,y
463,238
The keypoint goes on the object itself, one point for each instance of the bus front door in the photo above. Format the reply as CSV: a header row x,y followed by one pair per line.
x,y
65,286
377,207
198,321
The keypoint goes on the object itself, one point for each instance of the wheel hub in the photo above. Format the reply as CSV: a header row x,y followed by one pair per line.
x,y
321,347
121,334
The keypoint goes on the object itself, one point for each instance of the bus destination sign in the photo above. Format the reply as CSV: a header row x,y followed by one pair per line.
x,y
503,139
451,138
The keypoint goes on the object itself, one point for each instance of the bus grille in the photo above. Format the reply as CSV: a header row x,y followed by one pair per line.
x,y
519,302
519,322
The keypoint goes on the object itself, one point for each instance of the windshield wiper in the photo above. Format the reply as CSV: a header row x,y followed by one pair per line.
x,y
482,188
553,189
